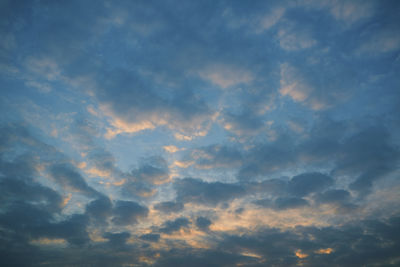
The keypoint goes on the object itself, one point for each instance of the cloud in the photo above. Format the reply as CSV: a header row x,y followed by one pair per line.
x,y
219,90
306,183
244,124
172,226
198,191
339,199
128,212
171,149
201,258
370,156
269,157
139,189
295,40
271,19
333,196
351,11
72,229
203,223
133,106
153,170
283,203
117,239
13,189
70,179
169,206
293,85
216,156
348,12
99,209
386,41
303,86
226,76
150,237
143,180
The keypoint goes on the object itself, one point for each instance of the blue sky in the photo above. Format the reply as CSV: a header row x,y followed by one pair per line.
x,y
199,133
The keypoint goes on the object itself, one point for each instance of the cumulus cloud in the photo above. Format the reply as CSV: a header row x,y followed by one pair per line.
x,y
169,206
150,237
153,170
283,203
203,223
117,239
69,178
216,156
306,183
143,180
172,226
198,191
128,212
135,106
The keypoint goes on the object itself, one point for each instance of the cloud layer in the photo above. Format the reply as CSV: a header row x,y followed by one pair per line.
x,y
228,133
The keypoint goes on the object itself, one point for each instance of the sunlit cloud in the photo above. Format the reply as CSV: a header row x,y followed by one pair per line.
x,y
324,251
226,76
300,254
58,242
172,149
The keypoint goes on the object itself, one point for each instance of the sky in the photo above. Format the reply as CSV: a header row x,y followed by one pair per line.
x,y
199,133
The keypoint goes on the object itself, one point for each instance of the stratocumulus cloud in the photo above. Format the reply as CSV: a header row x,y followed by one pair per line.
x,y
208,133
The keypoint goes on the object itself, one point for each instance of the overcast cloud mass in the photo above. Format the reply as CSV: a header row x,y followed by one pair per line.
x,y
199,133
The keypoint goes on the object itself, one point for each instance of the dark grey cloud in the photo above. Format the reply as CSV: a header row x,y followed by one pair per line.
x,y
34,221
181,258
341,200
363,152
278,193
283,203
368,155
133,100
198,191
73,229
273,187
306,183
30,208
117,239
245,124
216,156
103,160
203,223
152,170
351,244
150,237
267,158
13,189
169,227
169,206
333,196
67,176
136,189
99,209
128,212
141,182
